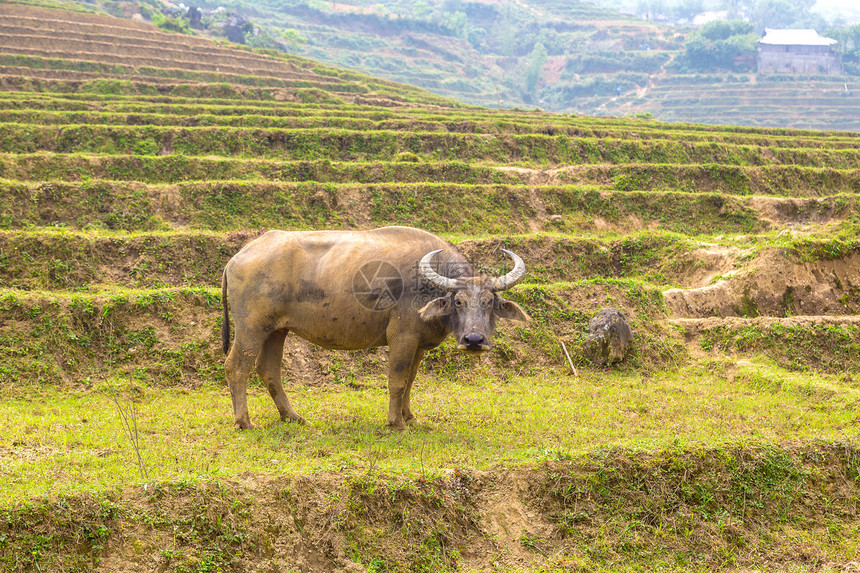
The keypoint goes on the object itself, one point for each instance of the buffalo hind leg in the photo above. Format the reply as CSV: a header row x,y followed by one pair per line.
x,y
413,371
238,367
269,369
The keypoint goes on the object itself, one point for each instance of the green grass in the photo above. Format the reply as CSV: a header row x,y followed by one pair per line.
x,y
60,258
681,469
176,104
408,120
825,347
238,75
61,442
472,209
346,145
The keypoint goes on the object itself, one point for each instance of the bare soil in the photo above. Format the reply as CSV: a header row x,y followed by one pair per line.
x,y
772,284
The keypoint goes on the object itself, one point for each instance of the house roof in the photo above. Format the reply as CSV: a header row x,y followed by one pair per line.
x,y
807,37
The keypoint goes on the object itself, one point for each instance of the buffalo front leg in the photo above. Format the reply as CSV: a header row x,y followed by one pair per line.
x,y
413,371
401,356
269,369
238,368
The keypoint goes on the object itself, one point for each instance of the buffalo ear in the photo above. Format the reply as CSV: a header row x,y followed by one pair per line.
x,y
436,308
510,310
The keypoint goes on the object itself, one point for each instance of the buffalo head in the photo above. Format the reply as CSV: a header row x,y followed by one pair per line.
x,y
472,303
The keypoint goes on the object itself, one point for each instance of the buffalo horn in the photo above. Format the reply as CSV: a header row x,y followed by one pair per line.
x,y
516,275
434,278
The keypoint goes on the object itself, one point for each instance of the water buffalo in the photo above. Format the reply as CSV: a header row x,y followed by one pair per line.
x,y
350,290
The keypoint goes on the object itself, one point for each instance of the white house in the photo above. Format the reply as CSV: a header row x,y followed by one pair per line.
x,y
797,52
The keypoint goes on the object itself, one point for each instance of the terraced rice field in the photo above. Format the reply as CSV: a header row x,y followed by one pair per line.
x,y
809,102
726,441
77,51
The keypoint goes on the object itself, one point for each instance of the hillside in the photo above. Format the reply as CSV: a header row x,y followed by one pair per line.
x,y
89,52
477,52
134,164
815,102
481,53
567,57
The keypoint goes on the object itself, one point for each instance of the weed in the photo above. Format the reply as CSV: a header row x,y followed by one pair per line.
x,y
532,542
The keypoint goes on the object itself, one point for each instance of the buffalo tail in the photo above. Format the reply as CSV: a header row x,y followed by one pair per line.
x,y
225,325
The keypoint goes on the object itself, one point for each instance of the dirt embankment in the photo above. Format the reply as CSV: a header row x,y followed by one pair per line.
x,y
82,260
597,512
773,284
764,188
798,309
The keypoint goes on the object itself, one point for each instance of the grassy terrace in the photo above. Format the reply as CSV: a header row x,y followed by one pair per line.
x,y
822,101
177,107
337,118
104,170
452,119
725,441
238,205
377,145
181,258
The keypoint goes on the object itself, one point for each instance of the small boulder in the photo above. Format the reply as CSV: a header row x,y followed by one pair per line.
x,y
609,337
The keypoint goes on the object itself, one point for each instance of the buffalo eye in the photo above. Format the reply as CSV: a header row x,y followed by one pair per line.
x,y
458,303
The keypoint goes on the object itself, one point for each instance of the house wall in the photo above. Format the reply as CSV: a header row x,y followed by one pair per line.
x,y
798,60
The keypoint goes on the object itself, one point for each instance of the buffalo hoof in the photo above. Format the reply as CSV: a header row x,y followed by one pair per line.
x,y
294,419
397,426
244,425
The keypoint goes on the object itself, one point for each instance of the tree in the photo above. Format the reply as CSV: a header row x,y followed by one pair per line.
x,y
421,10
537,60
476,38
293,37
651,8
457,23
506,31
719,45
849,46
688,9
724,29
732,7
782,14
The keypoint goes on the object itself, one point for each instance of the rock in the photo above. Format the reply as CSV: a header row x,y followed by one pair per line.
x,y
609,337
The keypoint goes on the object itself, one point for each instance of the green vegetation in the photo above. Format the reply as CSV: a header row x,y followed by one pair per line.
x,y
562,56
829,347
183,436
651,495
720,44
724,441
811,102
662,508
